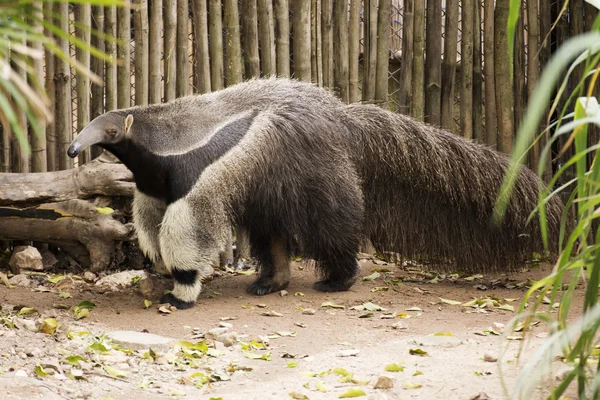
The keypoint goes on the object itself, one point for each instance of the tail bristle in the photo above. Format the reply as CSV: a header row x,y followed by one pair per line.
x,y
430,194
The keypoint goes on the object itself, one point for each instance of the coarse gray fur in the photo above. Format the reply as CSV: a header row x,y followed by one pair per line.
x,y
315,176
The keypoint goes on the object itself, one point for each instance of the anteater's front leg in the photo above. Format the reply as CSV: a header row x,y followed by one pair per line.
x,y
191,236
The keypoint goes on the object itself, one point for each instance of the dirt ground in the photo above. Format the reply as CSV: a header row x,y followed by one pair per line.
x,y
319,355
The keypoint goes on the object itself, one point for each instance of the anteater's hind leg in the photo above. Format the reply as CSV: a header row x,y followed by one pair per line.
x,y
274,262
339,269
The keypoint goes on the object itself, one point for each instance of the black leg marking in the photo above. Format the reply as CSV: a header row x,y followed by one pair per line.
x,y
185,277
174,301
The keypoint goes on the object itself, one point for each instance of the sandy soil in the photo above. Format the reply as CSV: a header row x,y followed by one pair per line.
x,y
453,368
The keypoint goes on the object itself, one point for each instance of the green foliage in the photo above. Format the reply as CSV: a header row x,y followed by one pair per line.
x,y
578,265
21,24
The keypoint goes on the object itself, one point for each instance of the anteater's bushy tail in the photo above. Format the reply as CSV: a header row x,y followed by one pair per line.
x,y
430,195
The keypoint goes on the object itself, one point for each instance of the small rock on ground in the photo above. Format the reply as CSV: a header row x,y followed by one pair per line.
x,y
139,340
437,341
25,257
120,279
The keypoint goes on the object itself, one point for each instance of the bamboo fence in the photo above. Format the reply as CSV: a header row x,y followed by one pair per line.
x,y
442,61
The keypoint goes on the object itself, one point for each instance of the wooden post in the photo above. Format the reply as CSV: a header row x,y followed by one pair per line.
x,y
491,120
383,52
124,55
97,67
62,80
250,38
170,51
354,50
313,42
301,47
327,39
519,71
370,54
405,93
504,89
417,108
155,47
449,64
38,139
201,51
266,27
183,74
215,44
49,62
466,71
477,116
341,49
533,36
234,48
82,80
110,15
282,37
433,67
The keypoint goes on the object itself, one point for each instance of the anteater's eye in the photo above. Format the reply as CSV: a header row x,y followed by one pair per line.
x,y
111,131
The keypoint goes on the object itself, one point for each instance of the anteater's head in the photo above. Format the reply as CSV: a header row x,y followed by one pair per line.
x,y
106,130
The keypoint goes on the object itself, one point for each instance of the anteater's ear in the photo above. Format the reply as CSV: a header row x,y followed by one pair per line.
x,y
128,123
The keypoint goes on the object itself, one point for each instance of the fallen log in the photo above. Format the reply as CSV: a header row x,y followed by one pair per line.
x,y
87,206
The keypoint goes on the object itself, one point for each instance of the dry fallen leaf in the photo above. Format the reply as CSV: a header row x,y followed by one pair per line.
x,y
271,314
164,310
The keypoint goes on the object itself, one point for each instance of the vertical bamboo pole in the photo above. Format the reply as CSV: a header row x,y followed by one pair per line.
x,y
533,36
478,132
491,119
354,50
82,81
233,49
327,38
4,148
170,51
313,42
182,81
319,39
97,64
370,57
576,28
341,49
123,53
268,60
417,108
504,89
466,72
201,49
383,51
519,71
38,140
250,38
449,64
433,68
155,46
97,67
301,46
62,78
110,15
140,30
215,29
544,55
20,158
282,37
49,61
